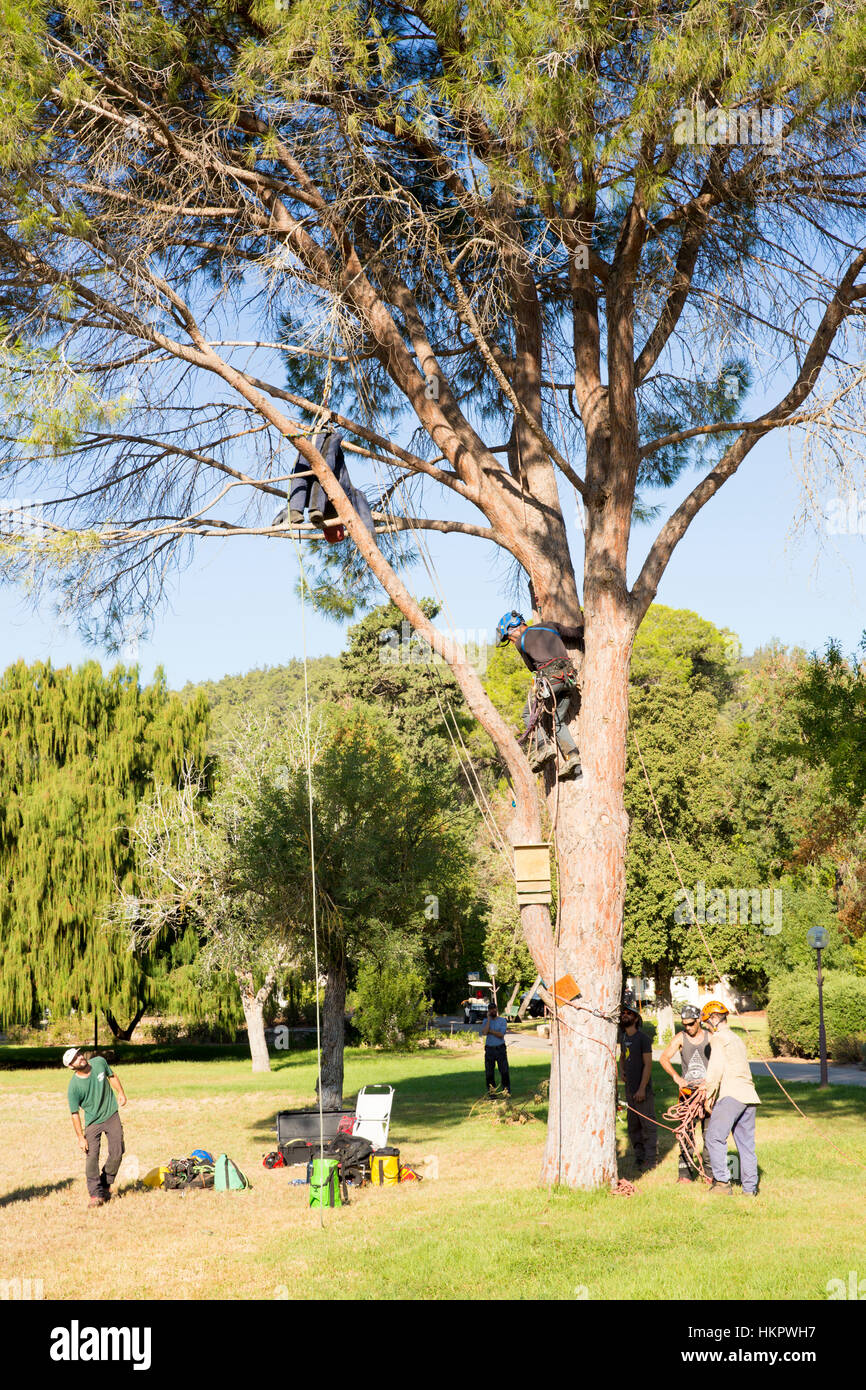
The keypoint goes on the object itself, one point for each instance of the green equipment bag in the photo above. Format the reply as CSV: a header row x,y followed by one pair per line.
x,y
228,1176
325,1185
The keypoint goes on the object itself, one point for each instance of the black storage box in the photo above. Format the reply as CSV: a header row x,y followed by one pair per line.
x,y
304,1124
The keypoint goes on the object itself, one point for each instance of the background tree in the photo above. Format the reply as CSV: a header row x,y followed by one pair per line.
x,y
78,751
202,863
478,215
386,836
822,736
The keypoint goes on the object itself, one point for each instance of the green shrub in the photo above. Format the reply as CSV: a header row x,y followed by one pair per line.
x,y
392,1006
850,1048
792,1013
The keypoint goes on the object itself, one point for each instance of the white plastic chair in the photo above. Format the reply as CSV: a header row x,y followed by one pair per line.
x,y
373,1114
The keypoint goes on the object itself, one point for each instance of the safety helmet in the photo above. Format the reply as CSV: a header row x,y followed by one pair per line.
x,y
689,1011
713,1006
506,623
202,1155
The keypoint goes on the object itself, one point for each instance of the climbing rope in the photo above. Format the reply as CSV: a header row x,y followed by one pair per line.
x,y
686,1113
309,762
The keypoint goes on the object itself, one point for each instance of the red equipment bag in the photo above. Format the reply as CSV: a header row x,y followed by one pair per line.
x,y
346,1124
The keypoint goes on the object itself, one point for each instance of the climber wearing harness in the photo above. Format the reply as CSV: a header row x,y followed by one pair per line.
x,y
307,494
554,687
692,1046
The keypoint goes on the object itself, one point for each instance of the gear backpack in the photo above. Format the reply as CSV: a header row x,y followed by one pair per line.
x,y
228,1176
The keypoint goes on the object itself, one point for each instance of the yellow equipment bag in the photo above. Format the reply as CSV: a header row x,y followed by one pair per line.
x,y
385,1167
156,1177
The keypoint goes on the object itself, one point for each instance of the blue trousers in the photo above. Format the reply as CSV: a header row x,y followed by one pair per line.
x,y
731,1116
493,1057
306,492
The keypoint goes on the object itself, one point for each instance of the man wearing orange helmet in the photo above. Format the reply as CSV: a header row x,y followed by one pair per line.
x,y
732,1101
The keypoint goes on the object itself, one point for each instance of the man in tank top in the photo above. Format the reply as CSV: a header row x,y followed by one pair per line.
x,y
692,1046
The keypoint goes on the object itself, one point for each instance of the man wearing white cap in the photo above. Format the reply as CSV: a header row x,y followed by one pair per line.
x,y
94,1089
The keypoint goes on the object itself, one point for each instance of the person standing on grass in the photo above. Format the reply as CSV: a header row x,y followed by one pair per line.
x,y
692,1046
732,1101
95,1090
493,1032
636,1063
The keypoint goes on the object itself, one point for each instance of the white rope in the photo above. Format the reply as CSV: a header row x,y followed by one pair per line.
x,y
309,762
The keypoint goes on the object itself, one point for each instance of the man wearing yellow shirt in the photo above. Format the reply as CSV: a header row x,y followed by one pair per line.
x,y
732,1101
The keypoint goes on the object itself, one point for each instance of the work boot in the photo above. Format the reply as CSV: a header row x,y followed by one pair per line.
x,y
296,517
540,754
316,515
721,1189
570,766
97,1202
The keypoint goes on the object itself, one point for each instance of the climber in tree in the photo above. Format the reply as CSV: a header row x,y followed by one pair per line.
x,y
307,494
554,687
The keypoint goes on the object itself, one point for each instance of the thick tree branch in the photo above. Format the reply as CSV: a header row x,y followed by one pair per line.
x,y
676,526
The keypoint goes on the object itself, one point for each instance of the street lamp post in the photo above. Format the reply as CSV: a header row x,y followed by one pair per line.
x,y
818,938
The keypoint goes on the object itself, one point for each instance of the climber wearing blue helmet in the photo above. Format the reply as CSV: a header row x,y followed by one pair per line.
x,y
542,646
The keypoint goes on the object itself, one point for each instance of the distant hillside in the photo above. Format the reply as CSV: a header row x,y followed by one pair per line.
x,y
267,690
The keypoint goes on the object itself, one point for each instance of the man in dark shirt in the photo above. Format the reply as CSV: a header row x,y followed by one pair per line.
x,y
542,646
635,1063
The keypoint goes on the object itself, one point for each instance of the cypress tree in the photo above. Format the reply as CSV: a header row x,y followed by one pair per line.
x,y
78,750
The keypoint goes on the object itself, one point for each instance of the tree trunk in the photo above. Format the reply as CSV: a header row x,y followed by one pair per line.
x,y
333,1035
664,1003
254,1013
124,1034
591,835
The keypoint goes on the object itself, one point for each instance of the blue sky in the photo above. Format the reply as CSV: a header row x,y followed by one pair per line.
x,y
739,565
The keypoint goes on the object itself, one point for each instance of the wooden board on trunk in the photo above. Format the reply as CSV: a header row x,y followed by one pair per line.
x,y
532,872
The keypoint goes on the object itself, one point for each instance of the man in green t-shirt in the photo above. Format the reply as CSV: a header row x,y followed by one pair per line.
x,y
96,1091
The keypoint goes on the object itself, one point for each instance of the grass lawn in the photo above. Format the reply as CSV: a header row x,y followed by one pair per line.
x,y
483,1229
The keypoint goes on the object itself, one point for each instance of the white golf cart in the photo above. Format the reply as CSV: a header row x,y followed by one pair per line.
x,y
482,993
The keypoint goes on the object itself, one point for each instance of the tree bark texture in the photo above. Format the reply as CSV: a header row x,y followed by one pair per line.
x,y
591,831
333,1035
253,1002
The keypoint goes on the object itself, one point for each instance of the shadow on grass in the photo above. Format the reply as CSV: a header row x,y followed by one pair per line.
x,y
26,1194
136,1054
